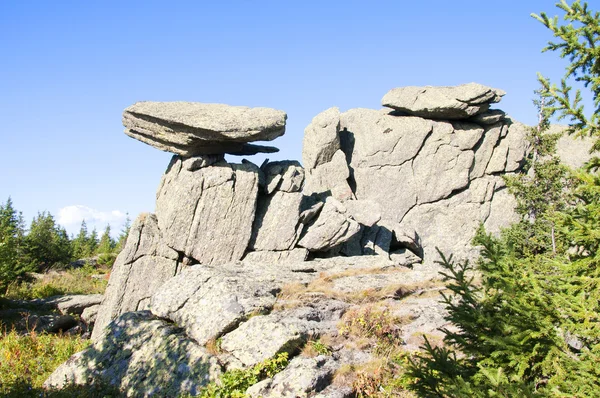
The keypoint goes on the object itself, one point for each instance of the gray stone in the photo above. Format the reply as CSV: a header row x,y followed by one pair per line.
x,y
276,257
502,211
456,102
572,151
89,315
285,176
484,152
321,139
366,212
448,224
492,116
518,146
277,223
72,304
51,323
330,177
75,304
332,227
211,301
208,213
198,162
466,135
404,258
441,167
375,140
380,149
142,356
143,265
264,336
190,128
303,377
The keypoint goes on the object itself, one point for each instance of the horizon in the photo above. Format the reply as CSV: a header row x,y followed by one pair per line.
x,y
73,68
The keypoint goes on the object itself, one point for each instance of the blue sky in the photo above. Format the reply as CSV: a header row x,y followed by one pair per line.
x,y
69,68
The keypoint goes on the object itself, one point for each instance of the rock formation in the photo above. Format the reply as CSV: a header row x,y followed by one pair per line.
x,y
264,259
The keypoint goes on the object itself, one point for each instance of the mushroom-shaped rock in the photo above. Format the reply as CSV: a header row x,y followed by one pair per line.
x,y
192,128
456,102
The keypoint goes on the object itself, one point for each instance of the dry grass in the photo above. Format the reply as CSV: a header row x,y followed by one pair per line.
x,y
382,377
75,281
295,294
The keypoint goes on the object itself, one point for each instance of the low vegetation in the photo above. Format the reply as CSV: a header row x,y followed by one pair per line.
x,y
26,361
234,383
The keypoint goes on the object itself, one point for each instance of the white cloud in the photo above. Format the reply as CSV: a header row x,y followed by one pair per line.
x,y
71,217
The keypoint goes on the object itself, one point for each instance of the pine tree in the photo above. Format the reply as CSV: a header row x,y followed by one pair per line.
x,y
12,232
92,243
79,243
107,244
46,244
124,234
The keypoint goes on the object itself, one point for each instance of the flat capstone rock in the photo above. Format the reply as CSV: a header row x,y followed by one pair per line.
x,y
193,128
446,102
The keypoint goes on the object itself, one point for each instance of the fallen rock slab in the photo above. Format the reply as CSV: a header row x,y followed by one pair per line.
x,y
73,304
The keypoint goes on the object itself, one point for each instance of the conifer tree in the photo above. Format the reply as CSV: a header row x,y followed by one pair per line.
x,y
12,232
79,243
123,235
47,245
92,243
106,244
532,328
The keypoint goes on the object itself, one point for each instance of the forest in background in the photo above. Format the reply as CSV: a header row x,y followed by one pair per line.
x,y
45,245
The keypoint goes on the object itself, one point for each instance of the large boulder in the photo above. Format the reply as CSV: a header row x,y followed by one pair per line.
x,y
456,102
143,265
207,213
141,356
191,128
211,301
333,226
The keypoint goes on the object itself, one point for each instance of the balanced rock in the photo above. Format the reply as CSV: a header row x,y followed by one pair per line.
x,y
457,102
192,128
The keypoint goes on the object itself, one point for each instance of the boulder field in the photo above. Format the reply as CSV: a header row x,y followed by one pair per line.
x,y
241,262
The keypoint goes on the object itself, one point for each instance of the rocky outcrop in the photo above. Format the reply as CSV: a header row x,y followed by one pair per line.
x,y
241,263
191,129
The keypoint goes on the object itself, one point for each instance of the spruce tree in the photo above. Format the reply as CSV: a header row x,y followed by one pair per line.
x,y
106,244
12,232
79,243
532,327
47,245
